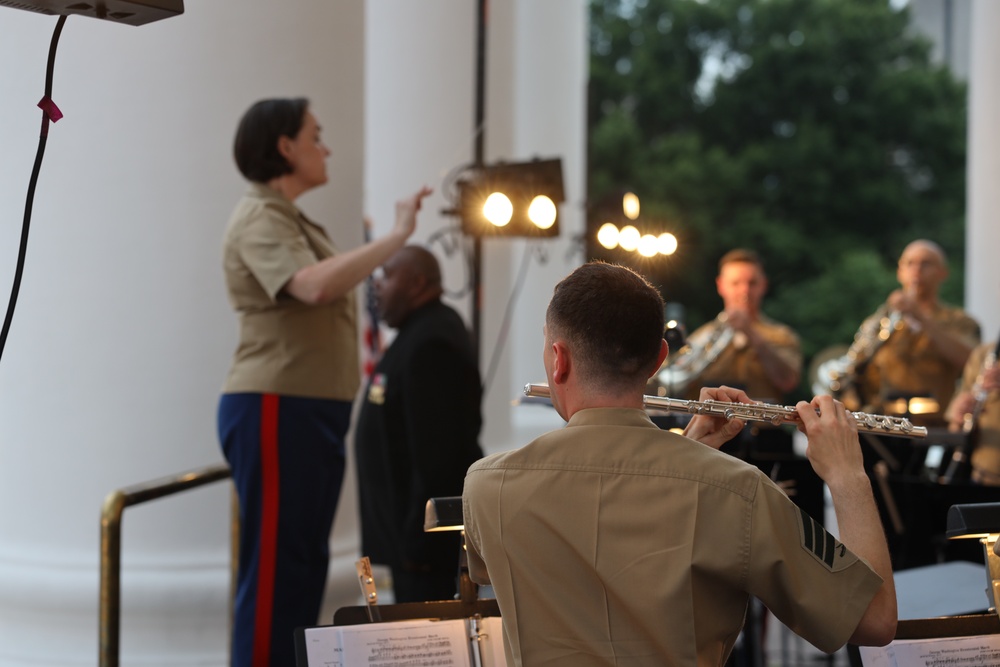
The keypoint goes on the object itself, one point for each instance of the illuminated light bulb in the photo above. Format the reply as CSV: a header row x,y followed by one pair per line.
x,y
498,209
666,243
542,212
630,205
647,245
607,235
628,238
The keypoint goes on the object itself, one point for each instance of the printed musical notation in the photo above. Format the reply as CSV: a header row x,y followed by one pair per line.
x,y
977,651
421,643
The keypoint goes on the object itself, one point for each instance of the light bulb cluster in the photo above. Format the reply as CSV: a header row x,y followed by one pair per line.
x,y
512,199
630,239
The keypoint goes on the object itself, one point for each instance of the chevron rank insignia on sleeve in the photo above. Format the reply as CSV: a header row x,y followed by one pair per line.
x,y
824,546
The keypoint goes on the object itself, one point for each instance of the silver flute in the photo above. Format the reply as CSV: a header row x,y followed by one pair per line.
x,y
760,412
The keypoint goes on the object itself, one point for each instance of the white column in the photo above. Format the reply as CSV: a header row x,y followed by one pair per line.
x,y
541,87
420,115
123,333
982,238
419,118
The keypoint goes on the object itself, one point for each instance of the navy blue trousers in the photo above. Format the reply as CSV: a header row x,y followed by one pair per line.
x,y
287,460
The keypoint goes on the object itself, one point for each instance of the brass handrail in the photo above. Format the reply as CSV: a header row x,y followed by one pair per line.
x,y
111,546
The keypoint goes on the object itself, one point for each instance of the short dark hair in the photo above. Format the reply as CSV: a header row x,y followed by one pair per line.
x,y
256,144
744,255
612,318
423,263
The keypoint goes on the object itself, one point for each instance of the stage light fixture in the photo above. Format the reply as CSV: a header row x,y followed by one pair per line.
x,y
129,12
512,199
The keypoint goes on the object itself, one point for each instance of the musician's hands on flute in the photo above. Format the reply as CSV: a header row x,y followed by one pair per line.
x,y
835,454
833,450
716,431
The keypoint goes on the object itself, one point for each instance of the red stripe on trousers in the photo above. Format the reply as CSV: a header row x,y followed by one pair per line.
x,y
268,530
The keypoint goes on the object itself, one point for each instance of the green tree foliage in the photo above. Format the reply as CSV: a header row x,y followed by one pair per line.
x,y
817,132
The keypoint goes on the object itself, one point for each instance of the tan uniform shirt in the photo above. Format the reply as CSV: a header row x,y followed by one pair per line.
x,y
612,542
738,365
986,456
908,364
286,346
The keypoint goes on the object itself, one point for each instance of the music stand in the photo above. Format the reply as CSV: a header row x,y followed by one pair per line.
x,y
440,514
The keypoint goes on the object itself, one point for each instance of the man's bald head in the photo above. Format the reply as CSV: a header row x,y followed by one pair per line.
x,y
923,266
410,279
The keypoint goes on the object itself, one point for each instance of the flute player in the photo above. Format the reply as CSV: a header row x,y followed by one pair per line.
x,y
612,542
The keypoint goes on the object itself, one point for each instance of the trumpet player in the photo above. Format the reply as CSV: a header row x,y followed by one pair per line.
x,y
742,347
923,350
975,410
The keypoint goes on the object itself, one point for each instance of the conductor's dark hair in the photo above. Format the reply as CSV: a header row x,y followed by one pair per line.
x,y
612,318
256,144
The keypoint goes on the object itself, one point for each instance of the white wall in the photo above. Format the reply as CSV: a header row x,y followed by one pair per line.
x,y
122,333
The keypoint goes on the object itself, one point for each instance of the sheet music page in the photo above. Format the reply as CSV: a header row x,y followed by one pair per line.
x,y
422,643
323,647
491,627
875,656
978,651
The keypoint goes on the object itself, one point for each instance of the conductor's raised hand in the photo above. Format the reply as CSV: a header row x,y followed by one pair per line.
x,y
407,208
833,450
716,431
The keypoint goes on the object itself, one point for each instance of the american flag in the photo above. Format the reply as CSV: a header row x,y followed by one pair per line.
x,y
371,346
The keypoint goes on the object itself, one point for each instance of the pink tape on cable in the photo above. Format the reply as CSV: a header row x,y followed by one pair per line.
x,y
50,109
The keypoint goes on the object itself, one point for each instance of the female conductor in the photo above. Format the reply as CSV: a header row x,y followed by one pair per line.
x,y
286,402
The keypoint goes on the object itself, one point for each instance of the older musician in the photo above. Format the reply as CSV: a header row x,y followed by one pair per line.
x,y
613,542
923,344
975,410
741,347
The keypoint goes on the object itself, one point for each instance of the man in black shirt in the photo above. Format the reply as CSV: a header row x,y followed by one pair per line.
x,y
418,428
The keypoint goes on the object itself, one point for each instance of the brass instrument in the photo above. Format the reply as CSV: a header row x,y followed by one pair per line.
x,y
837,376
760,412
696,355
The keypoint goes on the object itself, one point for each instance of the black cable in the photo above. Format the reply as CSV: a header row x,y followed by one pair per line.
x,y
49,111
505,326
